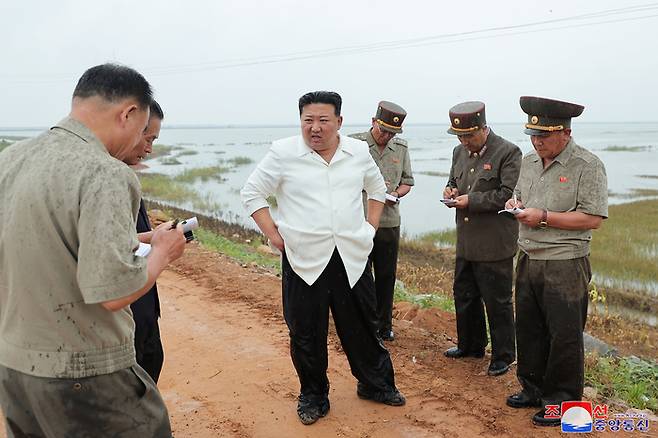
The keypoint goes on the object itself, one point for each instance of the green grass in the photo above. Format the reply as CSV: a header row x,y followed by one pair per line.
x,y
616,148
634,193
435,173
242,252
424,301
4,144
202,173
630,379
161,150
624,248
446,237
162,187
237,161
186,152
170,161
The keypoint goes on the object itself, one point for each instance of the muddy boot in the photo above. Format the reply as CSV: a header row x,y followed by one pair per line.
x,y
391,398
309,412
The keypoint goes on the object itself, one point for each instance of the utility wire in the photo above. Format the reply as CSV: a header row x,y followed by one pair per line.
x,y
581,20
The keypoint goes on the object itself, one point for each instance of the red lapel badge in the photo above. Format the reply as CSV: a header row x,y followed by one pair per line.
x,y
563,179
487,166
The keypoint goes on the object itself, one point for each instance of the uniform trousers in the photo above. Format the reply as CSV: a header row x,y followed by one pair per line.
x,y
384,258
551,311
489,283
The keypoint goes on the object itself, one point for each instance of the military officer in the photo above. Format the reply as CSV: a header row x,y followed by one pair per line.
x,y
392,157
563,192
485,169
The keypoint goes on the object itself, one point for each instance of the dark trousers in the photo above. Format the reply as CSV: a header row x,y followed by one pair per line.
x,y
384,259
306,311
125,403
148,348
490,282
551,311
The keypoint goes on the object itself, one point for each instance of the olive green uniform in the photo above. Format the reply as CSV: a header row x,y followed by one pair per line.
x,y
67,233
395,165
486,245
553,273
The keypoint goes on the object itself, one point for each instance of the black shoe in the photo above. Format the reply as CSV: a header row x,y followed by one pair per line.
x,y
498,367
309,413
387,335
540,420
456,353
391,398
522,400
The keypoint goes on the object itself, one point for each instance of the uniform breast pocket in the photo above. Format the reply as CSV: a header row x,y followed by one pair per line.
x,y
562,198
486,182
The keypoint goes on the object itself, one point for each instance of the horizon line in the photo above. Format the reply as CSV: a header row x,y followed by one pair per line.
x,y
284,125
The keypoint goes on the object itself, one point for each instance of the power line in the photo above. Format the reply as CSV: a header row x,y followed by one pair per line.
x,y
578,21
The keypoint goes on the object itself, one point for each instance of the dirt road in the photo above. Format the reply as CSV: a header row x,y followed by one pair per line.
x,y
228,373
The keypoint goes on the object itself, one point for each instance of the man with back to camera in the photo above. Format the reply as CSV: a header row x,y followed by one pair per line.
x,y
485,168
318,179
391,154
68,271
563,191
146,310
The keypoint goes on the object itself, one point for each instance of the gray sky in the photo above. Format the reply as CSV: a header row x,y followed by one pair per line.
x,y
610,68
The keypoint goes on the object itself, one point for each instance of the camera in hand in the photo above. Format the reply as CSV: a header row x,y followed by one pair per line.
x,y
188,226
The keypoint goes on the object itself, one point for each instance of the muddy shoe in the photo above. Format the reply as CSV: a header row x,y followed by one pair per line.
x,y
387,335
309,413
540,419
522,400
391,398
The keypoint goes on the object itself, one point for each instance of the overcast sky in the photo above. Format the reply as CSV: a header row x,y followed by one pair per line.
x,y
179,46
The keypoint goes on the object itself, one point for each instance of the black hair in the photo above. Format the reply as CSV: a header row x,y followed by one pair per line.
x,y
328,97
114,82
156,110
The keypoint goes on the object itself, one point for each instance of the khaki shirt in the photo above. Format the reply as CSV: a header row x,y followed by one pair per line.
x,y
574,181
488,178
67,237
395,165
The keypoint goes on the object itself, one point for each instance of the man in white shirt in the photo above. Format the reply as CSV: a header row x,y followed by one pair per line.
x,y
318,179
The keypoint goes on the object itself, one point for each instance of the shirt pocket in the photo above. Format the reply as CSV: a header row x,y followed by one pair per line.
x,y
562,197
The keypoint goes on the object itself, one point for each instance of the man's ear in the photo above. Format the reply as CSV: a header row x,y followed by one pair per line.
x,y
340,121
127,112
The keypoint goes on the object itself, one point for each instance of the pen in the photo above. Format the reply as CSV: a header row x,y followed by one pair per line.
x,y
514,199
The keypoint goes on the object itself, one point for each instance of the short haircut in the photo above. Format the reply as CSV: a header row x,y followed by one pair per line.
x,y
114,82
156,110
328,97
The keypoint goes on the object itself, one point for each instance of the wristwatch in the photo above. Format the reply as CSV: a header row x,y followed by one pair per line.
x,y
543,223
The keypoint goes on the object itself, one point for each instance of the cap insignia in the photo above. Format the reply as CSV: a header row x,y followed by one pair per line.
x,y
457,121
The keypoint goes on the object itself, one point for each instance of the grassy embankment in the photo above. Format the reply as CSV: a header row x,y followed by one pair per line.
x,y
425,273
178,188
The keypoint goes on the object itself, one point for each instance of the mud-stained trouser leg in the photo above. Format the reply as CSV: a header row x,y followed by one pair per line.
x,y
125,403
551,311
353,311
306,311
